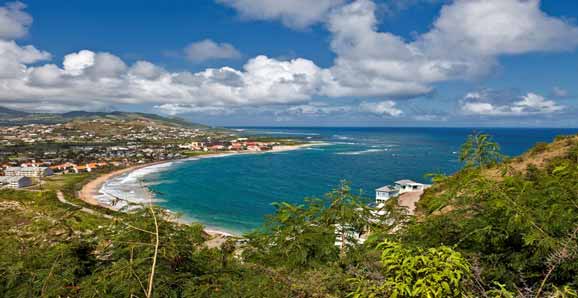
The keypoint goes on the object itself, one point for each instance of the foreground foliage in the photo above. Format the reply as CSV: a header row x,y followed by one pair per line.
x,y
415,272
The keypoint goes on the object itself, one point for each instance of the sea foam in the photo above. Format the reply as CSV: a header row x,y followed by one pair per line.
x,y
122,191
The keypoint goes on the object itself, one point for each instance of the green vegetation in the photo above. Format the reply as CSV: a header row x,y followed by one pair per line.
x,y
281,141
12,117
480,150
415,272
494,229
197,153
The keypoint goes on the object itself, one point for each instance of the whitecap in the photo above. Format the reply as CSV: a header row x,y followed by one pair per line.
x,y
362,152
289,133
121,191
341,137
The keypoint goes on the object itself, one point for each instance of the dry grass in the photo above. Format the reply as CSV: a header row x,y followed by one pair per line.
x,y
538,158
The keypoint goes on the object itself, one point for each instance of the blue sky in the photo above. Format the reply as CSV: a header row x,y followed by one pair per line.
x,y
296,62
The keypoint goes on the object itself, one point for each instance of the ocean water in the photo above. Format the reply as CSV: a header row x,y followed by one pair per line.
x,y
234,193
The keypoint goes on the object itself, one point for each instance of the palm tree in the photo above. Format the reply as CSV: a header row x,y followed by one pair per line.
x,y
480,151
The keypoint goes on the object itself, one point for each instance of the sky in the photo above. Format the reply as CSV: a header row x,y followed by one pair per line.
x,y
444,63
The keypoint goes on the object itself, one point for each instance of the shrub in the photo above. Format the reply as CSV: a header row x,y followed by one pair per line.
x,y
417,272
539,148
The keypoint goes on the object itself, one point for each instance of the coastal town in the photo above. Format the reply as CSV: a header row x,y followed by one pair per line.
x,y
31,152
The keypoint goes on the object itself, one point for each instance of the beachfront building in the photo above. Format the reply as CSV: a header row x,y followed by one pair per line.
x,y
387,192
217,148
14,181
195,146
236,147
35,172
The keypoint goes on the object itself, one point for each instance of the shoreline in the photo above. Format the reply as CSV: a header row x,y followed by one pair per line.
x,y
91,190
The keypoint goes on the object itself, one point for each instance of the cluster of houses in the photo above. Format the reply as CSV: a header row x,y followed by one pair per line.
x,y
239,144
95,132
25,174
69,167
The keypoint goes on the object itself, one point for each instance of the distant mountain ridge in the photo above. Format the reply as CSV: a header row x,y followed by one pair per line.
x,y
5,112
14,117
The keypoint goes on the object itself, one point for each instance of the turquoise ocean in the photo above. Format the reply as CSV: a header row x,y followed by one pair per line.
x,y
234,193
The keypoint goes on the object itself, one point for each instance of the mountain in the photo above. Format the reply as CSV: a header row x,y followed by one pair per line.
x,y
5,112
13,117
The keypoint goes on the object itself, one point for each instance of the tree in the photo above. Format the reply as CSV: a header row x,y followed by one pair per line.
x,y
304,235
480,150
417,272
347,213
293,237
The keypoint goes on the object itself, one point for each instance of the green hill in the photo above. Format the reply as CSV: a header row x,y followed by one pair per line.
x,y
13,117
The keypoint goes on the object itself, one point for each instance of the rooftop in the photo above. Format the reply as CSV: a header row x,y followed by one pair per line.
x,y
23,168
385,188
406,182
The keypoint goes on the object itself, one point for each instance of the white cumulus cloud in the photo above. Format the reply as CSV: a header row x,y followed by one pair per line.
x,y
496,27
13,59
104,79
14,21
465,42
292,13
387,108
75,63
488,103
209,50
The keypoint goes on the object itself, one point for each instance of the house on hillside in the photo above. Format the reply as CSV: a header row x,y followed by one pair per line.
x,y
409,185
387,192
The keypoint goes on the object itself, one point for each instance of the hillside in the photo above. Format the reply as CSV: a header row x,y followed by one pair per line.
x,y
540,157
516,220
13,117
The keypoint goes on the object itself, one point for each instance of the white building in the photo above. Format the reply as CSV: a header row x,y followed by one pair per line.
x,y
387,192
409,185
14,182
36,172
